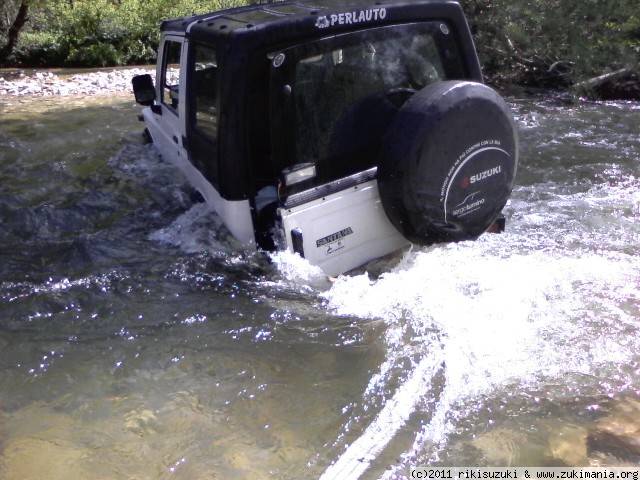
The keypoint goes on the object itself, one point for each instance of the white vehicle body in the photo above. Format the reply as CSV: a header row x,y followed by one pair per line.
x,y
343,230
340,232
168,131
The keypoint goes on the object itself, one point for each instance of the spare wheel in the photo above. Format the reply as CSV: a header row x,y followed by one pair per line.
x,y
448,162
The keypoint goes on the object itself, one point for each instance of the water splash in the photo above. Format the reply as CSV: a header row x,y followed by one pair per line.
x,y
503,317
196,230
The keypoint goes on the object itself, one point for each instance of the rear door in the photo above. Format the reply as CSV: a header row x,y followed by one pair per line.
x,y
331,102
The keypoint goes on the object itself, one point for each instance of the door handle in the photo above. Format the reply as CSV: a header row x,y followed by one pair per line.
x,y
175,139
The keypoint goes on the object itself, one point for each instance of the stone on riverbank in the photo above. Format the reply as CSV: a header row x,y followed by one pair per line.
x,y
92,83
626,88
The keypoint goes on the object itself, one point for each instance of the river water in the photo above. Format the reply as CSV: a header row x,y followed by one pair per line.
x,y
138,342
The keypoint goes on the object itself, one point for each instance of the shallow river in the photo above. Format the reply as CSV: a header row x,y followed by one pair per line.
x,y
138,342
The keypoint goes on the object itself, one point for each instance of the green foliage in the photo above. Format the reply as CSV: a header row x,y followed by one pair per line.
x,y
538,42
102,32
97,54
554,42
40,49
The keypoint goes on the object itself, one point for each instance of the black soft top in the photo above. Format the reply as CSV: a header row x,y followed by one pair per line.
x,y
288,20
243,36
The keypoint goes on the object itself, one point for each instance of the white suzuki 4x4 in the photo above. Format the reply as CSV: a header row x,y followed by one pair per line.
x,y
340,130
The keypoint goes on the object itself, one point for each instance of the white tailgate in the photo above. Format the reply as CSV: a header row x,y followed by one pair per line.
x,y
343,230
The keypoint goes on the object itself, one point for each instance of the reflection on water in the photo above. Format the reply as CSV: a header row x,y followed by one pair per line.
x,y
137,341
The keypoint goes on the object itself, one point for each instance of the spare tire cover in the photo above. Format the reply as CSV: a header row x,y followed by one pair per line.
x,y
448,162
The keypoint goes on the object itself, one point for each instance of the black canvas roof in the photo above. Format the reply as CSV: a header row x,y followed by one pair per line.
x,y
244,37
302,14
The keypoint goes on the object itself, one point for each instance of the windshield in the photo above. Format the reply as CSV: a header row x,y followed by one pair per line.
x,y
346,91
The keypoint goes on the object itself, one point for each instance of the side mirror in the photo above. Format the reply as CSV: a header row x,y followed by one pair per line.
x,y
143,89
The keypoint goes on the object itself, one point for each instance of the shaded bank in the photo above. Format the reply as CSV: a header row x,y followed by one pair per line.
x,y
625,86
559,43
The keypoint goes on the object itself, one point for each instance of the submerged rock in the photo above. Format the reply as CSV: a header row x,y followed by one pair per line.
x,y
92,83
568,444
141,423
618,434
600,460
500,447
30,458
134,438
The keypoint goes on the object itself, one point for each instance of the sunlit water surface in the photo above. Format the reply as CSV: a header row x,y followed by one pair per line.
x,y
137,341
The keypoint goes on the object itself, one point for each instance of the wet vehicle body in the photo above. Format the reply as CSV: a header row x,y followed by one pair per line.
x,y
341,131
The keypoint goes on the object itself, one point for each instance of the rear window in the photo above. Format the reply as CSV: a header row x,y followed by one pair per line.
x,y
347,90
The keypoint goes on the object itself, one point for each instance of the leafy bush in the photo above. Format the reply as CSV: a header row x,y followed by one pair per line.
x,y
102,32
40,49
94,55
543,43
554,42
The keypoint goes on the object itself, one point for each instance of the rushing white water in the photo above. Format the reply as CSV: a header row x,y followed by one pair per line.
x,y
502,317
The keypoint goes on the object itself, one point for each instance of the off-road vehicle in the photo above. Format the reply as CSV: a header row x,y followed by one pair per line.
x,y
340,130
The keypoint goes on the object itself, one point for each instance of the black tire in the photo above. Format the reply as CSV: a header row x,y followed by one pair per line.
x,y
448,163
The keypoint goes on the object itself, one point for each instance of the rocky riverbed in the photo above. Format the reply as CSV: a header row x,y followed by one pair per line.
x,y
46,83
612,439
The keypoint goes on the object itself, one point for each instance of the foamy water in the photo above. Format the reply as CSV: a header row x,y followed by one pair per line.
x,y
490,318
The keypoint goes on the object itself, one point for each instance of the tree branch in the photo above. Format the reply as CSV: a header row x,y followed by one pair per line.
x,y
14,30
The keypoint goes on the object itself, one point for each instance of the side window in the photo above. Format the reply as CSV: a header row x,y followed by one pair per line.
x,y
206,91
171,73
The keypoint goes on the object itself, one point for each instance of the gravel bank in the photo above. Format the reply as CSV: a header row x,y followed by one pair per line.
x,y
93,83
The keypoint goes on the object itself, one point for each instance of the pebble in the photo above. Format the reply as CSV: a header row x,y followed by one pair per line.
x,y
46,84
